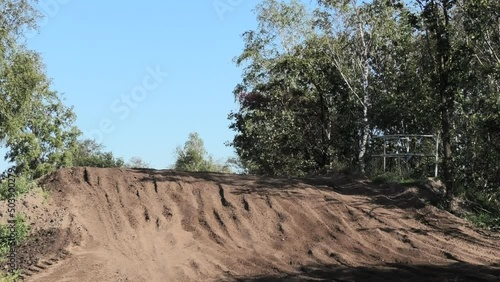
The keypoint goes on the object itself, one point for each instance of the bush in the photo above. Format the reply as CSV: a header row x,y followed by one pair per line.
x,y
390,177
90,153
137,162
194,157
23,185
484,212
485,219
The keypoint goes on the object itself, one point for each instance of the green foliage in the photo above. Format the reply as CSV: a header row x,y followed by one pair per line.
x,y
485,219
484,209
7,277
387,177
46,196
23,185
234,164
354,70
22,230
193,157
287,124
391,177
16,17
89,153
35,127
44,141
137,162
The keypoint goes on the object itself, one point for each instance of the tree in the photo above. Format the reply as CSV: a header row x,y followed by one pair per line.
x,y
270,137
35,126
281,27
358,34
436,17
194,157
137,162
294,100
18,69
475,73
370,68
45,142
89,153
287,125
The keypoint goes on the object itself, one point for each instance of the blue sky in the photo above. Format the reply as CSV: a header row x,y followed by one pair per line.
x,y
98,53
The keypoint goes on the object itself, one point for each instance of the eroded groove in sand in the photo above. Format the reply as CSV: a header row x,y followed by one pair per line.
x,y
86,176
152,224
146,215
204,221
155,184
219,220
223,199
246,206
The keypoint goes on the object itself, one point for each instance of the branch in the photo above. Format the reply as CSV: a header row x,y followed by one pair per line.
x,y
344,77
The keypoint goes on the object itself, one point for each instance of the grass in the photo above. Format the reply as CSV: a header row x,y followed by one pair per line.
x,y
486,220
45,194
7,277
483,213
390,177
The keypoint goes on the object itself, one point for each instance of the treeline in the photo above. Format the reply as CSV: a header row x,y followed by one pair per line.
x,y
320,82
35,126
37,130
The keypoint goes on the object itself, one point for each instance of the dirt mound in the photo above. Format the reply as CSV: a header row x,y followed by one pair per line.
x,y
149,225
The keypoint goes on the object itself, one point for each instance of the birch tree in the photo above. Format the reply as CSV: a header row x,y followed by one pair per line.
x,y
354,32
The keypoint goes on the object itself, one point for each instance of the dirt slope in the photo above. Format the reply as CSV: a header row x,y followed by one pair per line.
x,y
148,225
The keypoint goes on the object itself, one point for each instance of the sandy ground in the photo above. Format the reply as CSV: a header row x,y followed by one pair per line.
x,y
151,225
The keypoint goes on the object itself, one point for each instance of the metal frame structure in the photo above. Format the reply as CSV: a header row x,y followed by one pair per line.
x,y
408,154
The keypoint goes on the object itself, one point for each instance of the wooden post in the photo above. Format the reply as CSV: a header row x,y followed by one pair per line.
x,y
436,156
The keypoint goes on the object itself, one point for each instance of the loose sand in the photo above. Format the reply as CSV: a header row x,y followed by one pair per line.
x,y
152,225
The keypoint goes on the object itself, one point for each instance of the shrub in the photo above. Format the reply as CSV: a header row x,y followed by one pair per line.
x,y
23,184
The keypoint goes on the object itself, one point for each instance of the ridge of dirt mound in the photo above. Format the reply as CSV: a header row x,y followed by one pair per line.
x,y
151,225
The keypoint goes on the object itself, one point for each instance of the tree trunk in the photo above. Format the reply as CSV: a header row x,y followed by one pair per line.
x,y
365,132
446,95
446,139
365,126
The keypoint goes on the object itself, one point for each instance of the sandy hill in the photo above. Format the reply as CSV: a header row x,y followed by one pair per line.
x,y
150,225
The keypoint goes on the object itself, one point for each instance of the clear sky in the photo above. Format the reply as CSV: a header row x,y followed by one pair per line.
x,y
110,59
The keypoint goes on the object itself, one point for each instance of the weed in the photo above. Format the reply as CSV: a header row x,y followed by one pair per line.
x,y
21,233
485,220
7,277
45,194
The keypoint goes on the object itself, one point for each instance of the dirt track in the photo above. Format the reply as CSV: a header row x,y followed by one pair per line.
x,y
148,225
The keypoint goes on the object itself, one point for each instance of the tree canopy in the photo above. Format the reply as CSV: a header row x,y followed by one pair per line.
x,y
194,157
88,152
36,127
355,70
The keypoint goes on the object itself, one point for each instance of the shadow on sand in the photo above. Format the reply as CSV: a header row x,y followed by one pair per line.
x,y
456,272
